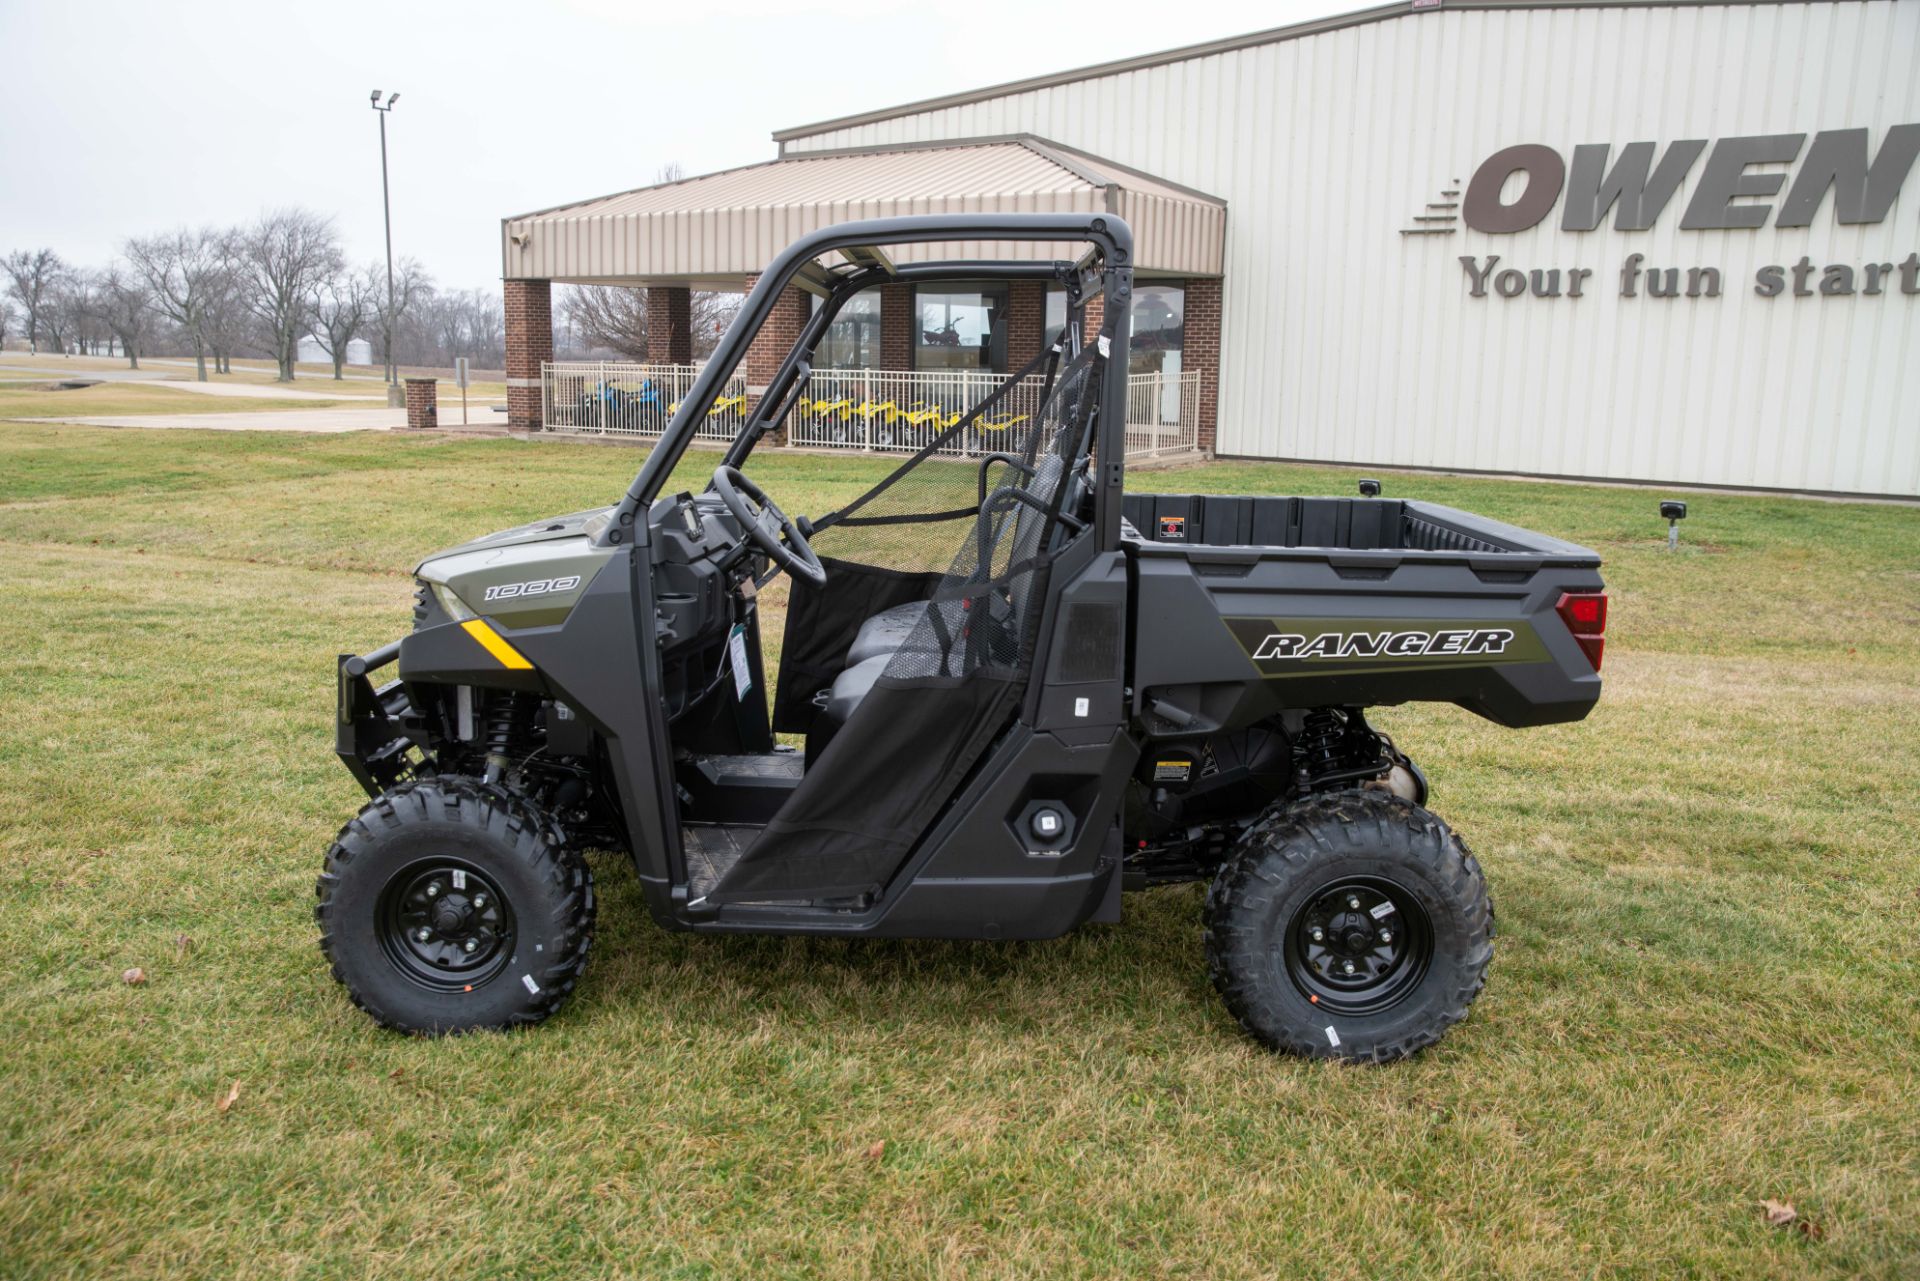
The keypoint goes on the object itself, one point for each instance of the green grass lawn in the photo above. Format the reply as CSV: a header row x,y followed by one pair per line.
x,y
1703,994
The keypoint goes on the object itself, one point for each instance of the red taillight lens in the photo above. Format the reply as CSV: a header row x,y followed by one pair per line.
x,y
1585,614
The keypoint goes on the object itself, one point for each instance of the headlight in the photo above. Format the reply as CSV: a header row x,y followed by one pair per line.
x,y
456,608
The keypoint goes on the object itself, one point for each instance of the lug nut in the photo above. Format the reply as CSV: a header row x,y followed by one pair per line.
x,y
472,944
1316,933
433,890
423,934
479,900
1353,901
1348,967
1386,936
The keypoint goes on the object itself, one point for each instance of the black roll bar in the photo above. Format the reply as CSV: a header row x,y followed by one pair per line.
x,y
1109,234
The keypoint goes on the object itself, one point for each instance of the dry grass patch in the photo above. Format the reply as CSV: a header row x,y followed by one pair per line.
x,y
110,399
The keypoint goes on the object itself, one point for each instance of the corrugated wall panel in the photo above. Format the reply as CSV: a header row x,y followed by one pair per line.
x,y
1347,341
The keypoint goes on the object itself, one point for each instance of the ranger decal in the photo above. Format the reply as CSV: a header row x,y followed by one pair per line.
x,y
1409,644
1354,646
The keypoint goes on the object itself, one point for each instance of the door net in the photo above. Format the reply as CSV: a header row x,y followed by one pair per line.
x,y
953,684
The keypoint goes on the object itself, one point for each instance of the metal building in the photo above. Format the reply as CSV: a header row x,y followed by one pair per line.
x,y
1651,241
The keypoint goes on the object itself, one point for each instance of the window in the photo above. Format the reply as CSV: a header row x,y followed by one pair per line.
x,y
961,327
1159,329
852,341
1056,318
1159,326
1159,334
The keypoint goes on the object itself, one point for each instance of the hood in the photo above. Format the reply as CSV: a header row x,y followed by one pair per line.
x,y
575,525
528,576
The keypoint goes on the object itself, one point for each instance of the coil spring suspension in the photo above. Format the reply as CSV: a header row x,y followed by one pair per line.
x,y
1320,740
509,731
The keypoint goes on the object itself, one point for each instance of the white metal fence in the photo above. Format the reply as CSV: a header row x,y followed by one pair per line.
x,y
1163,414
868,410
608,398
904,410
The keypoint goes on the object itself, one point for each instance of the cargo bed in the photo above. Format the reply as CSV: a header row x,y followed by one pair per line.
x,y
1352,601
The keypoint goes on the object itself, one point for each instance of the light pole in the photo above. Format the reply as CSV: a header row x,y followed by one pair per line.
x,y
386,208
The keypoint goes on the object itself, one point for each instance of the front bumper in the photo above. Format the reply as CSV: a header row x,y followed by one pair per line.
x,y
368,731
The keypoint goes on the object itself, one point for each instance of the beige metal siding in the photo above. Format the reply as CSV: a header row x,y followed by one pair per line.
x,y
1346,341
731,224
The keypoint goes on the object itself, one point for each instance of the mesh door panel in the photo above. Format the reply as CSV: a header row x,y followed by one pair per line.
x,y
949,691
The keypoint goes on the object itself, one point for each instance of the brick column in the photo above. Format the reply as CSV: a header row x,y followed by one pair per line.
x,y
896,326
773,342
1096,315
1200,352
670,324
1026,321
423,403
529,308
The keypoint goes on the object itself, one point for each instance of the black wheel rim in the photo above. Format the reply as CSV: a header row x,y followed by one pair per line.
x,y
445,925
1359,945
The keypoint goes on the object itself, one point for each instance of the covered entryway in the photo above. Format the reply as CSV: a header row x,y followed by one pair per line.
x,y
900,363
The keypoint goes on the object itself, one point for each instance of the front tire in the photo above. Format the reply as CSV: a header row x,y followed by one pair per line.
x,y
448,906
1350,926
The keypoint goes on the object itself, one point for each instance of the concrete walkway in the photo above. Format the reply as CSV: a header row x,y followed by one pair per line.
x,y
259,391
309,390
312,420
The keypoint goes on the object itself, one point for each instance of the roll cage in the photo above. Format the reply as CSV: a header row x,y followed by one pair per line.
x,y
862,246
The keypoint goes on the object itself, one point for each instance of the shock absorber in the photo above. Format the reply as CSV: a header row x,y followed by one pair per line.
x,y
509,730
1319,744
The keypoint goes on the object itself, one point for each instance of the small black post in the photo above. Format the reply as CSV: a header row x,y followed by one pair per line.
x,y
1675,512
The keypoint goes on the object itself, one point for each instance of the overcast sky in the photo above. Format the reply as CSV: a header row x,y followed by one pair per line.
x,y
126,119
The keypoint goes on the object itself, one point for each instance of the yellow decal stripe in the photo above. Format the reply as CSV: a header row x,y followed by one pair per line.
x,y
496,645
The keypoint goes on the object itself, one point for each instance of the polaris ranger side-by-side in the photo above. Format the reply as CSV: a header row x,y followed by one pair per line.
x,y
1021,691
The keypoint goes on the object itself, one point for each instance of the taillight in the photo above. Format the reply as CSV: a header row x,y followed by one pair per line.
x,y
1585,614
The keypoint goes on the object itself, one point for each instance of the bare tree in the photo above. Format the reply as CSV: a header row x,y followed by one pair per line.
x,y
341,306
6,321
62,312
183,270
613,317
32,276
411,286
455,323
229,323
711,316
120,299
281,259
76,302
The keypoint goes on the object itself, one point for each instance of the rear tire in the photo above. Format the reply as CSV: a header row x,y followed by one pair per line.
x,y
1353,926
447,905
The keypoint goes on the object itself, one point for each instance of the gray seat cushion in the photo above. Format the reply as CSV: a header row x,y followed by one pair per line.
x,y
886,632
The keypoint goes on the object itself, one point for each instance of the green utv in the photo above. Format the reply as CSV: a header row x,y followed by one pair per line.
x,y
1022,691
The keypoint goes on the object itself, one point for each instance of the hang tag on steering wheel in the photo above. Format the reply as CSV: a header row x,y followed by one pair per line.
x,y
737,659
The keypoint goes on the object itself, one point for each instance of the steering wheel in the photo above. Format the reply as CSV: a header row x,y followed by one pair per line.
x,y
751,507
